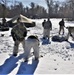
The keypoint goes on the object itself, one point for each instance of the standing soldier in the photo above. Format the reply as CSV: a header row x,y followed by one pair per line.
x,y
47,28
61,26
4,24
18,33
43,23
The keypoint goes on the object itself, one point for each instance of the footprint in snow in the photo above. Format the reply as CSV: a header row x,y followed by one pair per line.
x,y
55,68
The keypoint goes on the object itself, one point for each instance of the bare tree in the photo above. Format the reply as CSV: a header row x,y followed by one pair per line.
x,y
32,8
49,5
71,2
4,6
56,7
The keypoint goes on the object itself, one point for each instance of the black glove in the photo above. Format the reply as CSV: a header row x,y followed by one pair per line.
x,y
25,34
14,39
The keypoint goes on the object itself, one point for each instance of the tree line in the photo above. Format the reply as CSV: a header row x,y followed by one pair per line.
x,y
55,9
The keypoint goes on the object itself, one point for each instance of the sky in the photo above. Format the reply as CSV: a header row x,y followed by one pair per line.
x,y
39,2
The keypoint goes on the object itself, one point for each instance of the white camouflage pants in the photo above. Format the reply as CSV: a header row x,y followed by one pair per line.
x,y
31,43
46,33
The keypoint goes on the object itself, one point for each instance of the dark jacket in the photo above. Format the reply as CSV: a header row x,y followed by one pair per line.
x,y
61,23
43,23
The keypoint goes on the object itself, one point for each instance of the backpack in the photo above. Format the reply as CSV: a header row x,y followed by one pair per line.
x,y
61,23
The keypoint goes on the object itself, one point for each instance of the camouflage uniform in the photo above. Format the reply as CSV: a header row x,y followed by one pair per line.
x,y
31,42
18,33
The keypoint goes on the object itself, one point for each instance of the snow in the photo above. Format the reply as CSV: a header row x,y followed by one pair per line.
x,y
58,57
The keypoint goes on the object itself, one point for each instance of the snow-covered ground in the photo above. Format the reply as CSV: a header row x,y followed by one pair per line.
x,y
58,57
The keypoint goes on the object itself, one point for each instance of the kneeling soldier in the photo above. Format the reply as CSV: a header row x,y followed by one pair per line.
x,y
31,42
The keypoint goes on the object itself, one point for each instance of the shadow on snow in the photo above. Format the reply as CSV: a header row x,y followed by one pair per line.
x,y
71,44
11,63
27,68
45,41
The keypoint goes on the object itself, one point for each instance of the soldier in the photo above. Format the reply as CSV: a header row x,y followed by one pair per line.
x,y
18,33
31,42
4,24
43,23
61,26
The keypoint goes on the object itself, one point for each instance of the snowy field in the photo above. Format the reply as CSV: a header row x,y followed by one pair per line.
x,y
58,57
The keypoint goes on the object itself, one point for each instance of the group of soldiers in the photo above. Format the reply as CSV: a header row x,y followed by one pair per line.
x,y
47,27
19,33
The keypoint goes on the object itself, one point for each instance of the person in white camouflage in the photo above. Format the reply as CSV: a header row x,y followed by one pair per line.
x,y
18,33
31,42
